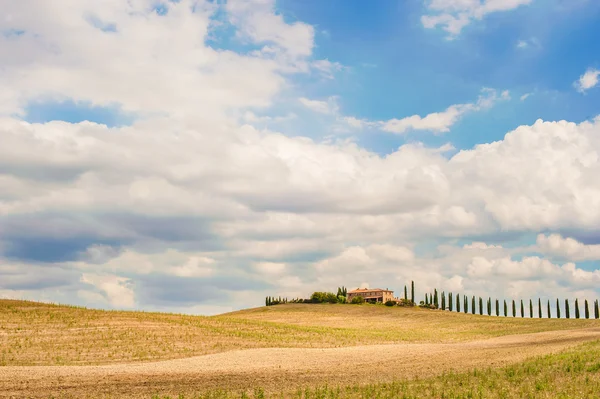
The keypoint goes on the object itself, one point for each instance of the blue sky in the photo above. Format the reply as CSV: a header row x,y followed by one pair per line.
x,y
278,147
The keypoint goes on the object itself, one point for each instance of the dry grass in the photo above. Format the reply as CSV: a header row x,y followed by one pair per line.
x,y
41,334
573,374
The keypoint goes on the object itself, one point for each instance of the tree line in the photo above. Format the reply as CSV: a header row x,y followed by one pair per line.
x,y
488,306
451,302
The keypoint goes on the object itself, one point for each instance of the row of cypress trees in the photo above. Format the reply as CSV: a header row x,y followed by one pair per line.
x,y
451,305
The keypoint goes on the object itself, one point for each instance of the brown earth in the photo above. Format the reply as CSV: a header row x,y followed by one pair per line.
x,y
278,369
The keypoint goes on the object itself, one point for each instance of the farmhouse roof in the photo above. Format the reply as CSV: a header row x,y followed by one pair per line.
x,y
359,290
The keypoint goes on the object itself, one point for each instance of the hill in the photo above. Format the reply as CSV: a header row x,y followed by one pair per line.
x,y
76,352
34,333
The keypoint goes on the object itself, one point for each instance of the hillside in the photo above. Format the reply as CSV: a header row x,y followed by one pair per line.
x,y
41,334
62,351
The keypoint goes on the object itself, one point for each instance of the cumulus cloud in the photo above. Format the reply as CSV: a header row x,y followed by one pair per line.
x,y
588,80
567,248
454,15
258,22
149,63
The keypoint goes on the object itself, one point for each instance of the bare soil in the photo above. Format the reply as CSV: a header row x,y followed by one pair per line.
x,y
278,369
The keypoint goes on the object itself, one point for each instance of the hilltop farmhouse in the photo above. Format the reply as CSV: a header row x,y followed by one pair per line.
x,y
372,295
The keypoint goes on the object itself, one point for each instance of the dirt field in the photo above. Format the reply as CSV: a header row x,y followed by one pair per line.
x,y
274,368
72,352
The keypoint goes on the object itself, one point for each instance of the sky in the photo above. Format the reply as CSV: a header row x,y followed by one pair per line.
x,y
196,156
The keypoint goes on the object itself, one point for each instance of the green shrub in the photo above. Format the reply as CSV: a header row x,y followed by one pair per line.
x,y
390,303
358,300
323,297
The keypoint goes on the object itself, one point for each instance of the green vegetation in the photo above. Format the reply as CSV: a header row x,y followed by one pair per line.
x,y
586,310
522,309
573,374
357,300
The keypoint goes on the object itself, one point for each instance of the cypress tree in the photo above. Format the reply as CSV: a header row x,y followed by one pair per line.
x,y
497,308
549,313
267,301
596,310
522,309
473,305
480,306
505,309
567,310
539,308
450,298
458,303
466,303
435,298
514,308
530,308
557,309
587,310
405,294
576,308
412,291
426,301
443,300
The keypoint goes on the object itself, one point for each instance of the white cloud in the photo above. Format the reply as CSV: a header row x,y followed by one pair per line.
x,y
588,80
440,122
525,96
567,248
151,63
532,42
454,15
259,22
323,107
117,290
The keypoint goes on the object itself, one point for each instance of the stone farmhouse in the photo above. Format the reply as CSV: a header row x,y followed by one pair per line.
x,y
372,295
